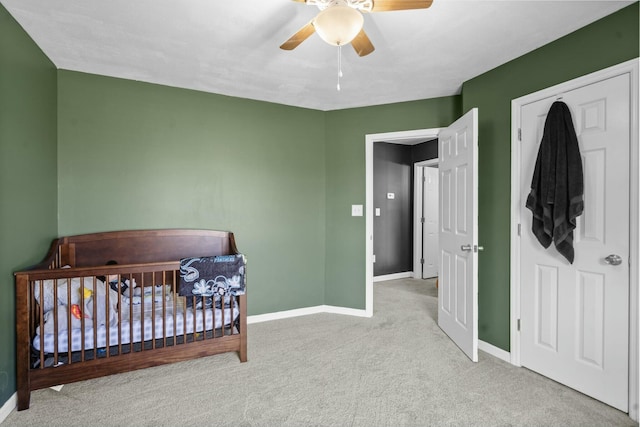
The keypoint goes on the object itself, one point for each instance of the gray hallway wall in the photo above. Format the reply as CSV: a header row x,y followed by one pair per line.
x,y
393,229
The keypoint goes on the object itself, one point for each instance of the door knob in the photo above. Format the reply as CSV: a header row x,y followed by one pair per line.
x,y
613,259
469,248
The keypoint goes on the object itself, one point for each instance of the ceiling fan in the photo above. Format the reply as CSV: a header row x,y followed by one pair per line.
x,y
340,21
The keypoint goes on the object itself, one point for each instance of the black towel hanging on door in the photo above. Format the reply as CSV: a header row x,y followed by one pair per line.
x,y
556,197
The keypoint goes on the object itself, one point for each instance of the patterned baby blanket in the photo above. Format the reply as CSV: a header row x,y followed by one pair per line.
x,y
212,278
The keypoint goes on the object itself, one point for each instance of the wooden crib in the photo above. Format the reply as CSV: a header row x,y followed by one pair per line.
x,y
72,325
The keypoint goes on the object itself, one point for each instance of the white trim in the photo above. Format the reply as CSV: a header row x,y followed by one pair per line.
x,y
494,351
403,137
629,67
287,314
514,279
634,242
394,276
8,407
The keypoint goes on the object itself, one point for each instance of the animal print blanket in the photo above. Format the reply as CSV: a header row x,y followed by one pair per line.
x,y
212,279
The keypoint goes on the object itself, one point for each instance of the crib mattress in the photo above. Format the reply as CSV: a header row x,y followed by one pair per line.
x,y
138,328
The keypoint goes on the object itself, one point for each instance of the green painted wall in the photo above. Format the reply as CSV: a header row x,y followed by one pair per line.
x,y
609,41
345,145
135,155
28,219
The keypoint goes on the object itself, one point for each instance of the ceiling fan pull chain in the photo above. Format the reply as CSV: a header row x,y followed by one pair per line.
x,y
339,65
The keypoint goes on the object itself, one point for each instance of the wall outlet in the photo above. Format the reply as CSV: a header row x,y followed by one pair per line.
x,y
391,196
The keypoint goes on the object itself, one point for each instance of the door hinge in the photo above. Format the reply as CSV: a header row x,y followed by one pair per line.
x,y
519,229
519,134
518,325
422,220
421,260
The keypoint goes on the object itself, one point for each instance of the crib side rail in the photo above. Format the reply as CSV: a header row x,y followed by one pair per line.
x,y
29,314
43,274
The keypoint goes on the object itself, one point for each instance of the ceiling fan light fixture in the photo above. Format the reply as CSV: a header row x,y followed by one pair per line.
x,y
338,25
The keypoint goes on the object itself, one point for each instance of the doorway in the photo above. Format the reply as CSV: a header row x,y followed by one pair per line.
x,y
402,137
458,232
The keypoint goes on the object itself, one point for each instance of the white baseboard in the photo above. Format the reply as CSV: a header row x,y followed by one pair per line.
x,y
494,351
346,311
8,406
394,276
258,318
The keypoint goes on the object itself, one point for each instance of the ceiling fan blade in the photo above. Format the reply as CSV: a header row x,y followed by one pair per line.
x,y
388,5
302,34
362,44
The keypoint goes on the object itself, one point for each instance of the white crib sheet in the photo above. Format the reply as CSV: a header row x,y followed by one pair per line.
x,y
141,324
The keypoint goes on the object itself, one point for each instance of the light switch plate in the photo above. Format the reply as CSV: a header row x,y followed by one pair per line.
x,y
377,211
356,210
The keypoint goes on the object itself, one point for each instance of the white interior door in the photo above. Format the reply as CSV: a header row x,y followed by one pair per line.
x,y
430,235
574,317
458,201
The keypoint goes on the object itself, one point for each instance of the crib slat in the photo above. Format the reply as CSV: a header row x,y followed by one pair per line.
x,y
142,311
213,315
41,323
153,311
175,308
131,318
164,310
69,330
204,319
184,319
83,341
194,311
119,314
107,313
94,322
55,320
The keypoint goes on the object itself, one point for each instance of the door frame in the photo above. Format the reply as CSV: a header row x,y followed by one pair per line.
x,y
409,137
629,67
417,223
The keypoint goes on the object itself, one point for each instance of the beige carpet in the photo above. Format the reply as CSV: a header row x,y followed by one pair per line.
x,y
395,369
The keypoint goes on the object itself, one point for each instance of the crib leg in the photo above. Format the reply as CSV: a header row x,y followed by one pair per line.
x,y
24,397
23,342
243,348
243,327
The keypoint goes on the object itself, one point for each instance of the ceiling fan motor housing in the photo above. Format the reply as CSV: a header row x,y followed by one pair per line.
x,y
338,25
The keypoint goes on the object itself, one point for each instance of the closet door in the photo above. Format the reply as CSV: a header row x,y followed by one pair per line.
x,y
574,317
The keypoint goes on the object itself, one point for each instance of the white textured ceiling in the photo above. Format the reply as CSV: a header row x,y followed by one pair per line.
x,y
231,47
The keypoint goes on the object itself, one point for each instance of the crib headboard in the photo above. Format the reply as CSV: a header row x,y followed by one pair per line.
x,y
137,247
